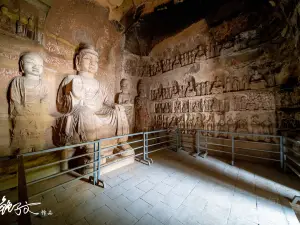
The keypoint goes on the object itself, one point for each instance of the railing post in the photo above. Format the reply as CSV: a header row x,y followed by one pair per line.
x,y
232,150
95,164
281,153
99,160
144,149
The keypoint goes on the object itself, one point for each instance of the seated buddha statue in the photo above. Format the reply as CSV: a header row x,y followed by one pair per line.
x,y
88,113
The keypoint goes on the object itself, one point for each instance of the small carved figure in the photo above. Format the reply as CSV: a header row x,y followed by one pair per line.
x,y
244,83
235,84
173,122
198,89
185,107
231,124
207,87
242,126
228,84
243,103
215,105
221,126
124,97
164,96
203,88
217,86
160,93
200,105
181,123
168,94
190,90
181,91
256,127
210,123
177,107
190,124
199,122
268,129
175,89
257,81
194,106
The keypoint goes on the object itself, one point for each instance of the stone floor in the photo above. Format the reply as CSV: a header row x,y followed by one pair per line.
x,y
176,190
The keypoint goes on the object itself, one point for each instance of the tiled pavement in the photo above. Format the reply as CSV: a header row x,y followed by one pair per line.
x,y
176,190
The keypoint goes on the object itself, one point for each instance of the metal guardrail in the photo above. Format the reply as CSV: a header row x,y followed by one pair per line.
x,y
206,141
149,141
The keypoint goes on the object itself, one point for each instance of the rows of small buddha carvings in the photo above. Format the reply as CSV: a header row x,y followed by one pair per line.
x,y
86,112
228,84
225,122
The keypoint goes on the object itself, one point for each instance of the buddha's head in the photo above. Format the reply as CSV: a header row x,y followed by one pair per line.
x,y
32,65
86,60
125,86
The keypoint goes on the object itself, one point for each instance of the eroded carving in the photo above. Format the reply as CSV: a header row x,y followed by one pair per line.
x,y
28,106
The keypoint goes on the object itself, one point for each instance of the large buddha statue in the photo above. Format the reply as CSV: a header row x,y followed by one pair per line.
x,y
28,106
88,114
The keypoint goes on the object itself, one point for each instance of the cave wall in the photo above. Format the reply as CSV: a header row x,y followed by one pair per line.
x,y
57,32
229,77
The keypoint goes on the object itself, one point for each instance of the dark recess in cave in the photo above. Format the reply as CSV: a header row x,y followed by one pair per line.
x,y
143,33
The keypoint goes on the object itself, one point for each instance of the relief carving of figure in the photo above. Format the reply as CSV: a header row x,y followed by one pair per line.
x,y
173,122
242,126
207,87
199,124
257,80
203,88
235,84
177,107
160,92
216,105
200,105
221,126
185,107
228,84
88,114
198,89
210,124
182,91
217,87
190,90
181,123
124,97
268,128
142,118
175,89
231,124
244,83
28,106
190,124
256,127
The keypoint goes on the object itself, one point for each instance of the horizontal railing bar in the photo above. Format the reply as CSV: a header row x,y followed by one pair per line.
x,y
293,169
258,150
160,149
225,139
149,139
121,136
292,140
264,143
158,143
293,160
70,181
292,150
118,145
116,161
234,133
156,131
120,153
216,144
276,160
61,173
76,145
75,157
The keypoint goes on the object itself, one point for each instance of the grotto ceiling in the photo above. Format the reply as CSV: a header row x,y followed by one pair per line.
x,y
145,23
